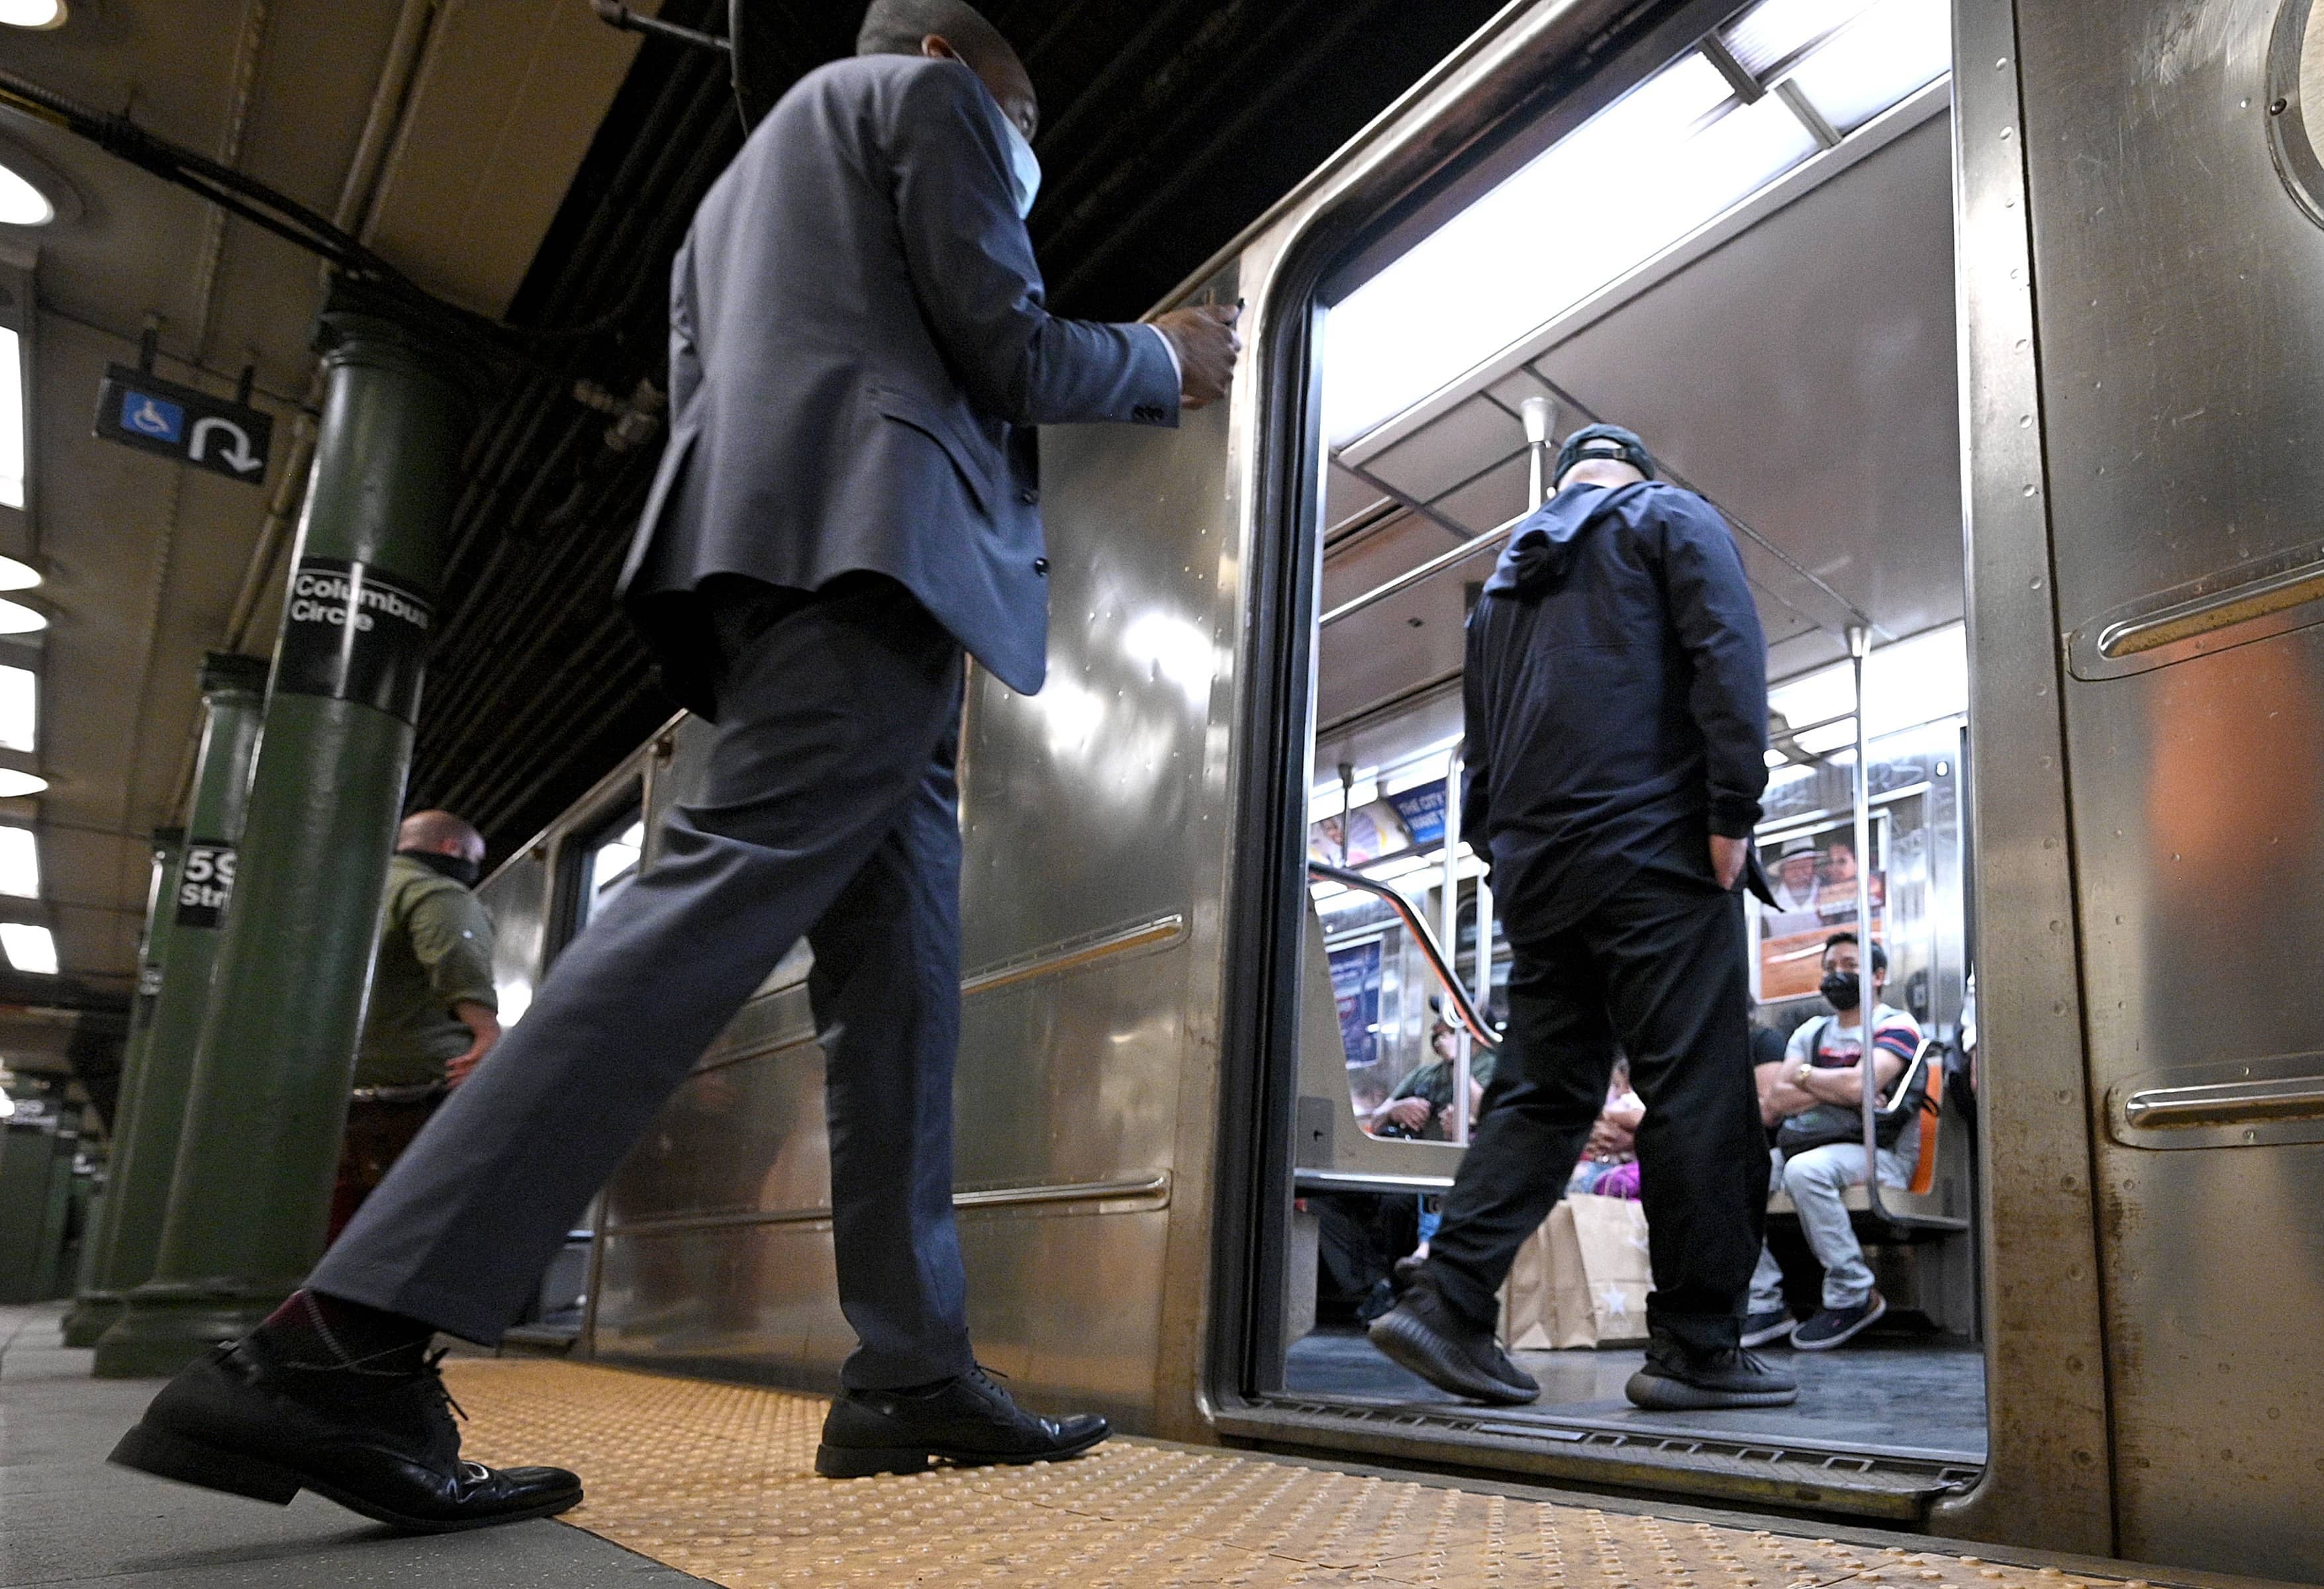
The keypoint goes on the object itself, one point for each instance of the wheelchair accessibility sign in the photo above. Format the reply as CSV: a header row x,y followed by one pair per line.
x,y
145,412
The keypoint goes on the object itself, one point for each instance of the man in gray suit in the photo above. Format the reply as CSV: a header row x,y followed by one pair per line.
x,y
859,352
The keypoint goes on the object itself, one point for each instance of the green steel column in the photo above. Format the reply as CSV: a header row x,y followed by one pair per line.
x,y
252,1195
49,1282
96,1305
185,946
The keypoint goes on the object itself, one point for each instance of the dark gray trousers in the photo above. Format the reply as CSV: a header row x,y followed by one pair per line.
x,y
1657,965
829,809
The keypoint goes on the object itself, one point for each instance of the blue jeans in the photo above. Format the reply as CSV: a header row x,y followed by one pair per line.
x,y
1817,1180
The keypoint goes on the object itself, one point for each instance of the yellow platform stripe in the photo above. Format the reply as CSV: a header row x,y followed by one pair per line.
x,y
718,1481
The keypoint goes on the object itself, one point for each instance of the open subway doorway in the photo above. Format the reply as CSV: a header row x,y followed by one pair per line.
x,y
1746,255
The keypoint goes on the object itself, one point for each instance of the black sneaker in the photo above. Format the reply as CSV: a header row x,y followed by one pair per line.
x,y
967,1419
1771,1323
250,1423
1833,1326
1677,1381
1424,1335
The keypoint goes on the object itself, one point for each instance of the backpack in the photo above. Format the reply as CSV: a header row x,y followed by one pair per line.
x,y
1827,1124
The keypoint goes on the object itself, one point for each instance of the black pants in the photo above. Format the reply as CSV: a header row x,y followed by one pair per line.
x,y
828,808
1657,965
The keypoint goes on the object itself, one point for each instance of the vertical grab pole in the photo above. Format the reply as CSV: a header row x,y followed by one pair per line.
x,y
1347,785
1452,937
1538,413
1859,646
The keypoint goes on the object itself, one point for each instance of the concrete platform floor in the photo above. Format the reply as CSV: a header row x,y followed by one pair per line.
x,y
68,1519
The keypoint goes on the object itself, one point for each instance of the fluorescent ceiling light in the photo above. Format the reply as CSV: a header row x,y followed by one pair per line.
x,y
21,203
17,576
1917,680
20,863
29,947
12,421
14,784
32,13
1830,737
1893,49
1629,183
1774,33
16,618
19,690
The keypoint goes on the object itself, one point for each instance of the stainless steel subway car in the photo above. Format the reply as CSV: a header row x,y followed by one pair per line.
x,y
1997,330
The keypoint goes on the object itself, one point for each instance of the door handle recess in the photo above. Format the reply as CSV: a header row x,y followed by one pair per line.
x,y
2236,1103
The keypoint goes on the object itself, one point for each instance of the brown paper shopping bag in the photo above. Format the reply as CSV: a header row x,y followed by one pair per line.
x,y
1581,1279
1527,1322
1600,1272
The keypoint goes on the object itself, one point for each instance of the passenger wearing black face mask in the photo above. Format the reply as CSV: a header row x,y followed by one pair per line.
x,y
433,1013
1813,1104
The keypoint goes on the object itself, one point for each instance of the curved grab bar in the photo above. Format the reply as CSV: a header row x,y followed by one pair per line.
x,y
1480,1030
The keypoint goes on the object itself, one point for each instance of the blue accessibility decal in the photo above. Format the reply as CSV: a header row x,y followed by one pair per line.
x,y
148,415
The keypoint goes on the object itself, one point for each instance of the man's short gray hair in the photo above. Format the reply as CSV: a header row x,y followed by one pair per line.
x,y
896,27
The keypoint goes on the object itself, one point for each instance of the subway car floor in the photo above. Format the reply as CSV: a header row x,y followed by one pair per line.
x,y
1890,1395
696,1481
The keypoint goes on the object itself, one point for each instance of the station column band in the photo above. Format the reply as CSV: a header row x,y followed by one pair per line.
x,y
94,1305
252,1194
151,1111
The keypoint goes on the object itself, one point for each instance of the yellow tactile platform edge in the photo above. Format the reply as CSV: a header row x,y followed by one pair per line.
x,y
718,1481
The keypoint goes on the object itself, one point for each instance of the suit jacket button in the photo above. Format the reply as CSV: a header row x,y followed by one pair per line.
x,y
1028,497
1041,567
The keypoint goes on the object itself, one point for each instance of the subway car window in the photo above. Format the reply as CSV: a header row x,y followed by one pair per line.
x,y
610,862
1746,259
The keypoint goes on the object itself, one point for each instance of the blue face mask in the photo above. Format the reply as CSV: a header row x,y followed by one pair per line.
x,y
1024,169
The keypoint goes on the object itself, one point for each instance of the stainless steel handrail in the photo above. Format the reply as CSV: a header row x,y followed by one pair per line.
x,y
2238,1102
1480,1030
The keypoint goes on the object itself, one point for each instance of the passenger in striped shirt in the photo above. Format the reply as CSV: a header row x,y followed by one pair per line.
x,y
1812,1103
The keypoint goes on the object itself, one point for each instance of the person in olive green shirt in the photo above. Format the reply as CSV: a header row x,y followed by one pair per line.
x,y
433,1015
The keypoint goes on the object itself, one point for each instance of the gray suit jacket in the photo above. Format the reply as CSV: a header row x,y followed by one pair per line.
x,y
858,351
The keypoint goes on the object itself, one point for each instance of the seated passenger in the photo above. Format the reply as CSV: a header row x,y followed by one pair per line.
x,y
1812,1102
1421,1107
1609,1166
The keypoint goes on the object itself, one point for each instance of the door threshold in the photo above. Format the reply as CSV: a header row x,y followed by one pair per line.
x,y
1894,1485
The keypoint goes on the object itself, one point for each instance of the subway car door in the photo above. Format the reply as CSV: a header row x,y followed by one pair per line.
x,y
2176,205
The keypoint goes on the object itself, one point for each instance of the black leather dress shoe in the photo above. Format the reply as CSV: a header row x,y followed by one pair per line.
x,y
246,1422
968,1420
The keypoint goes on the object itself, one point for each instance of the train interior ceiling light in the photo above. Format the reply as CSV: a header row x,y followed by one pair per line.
x,y
1686,146
1923,679
15,575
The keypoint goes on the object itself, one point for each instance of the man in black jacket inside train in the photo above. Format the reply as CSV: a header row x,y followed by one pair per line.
x,y
1616,732
859,356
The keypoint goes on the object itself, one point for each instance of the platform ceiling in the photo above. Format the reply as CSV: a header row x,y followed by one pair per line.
x,y
525,160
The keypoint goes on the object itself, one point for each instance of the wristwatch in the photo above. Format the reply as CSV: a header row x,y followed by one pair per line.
x,y
1799,1076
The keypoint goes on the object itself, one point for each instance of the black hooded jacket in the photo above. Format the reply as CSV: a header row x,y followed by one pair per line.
x,y
1617,700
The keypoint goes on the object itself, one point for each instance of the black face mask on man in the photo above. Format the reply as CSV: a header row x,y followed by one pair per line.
x,y
1839,989
458,868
